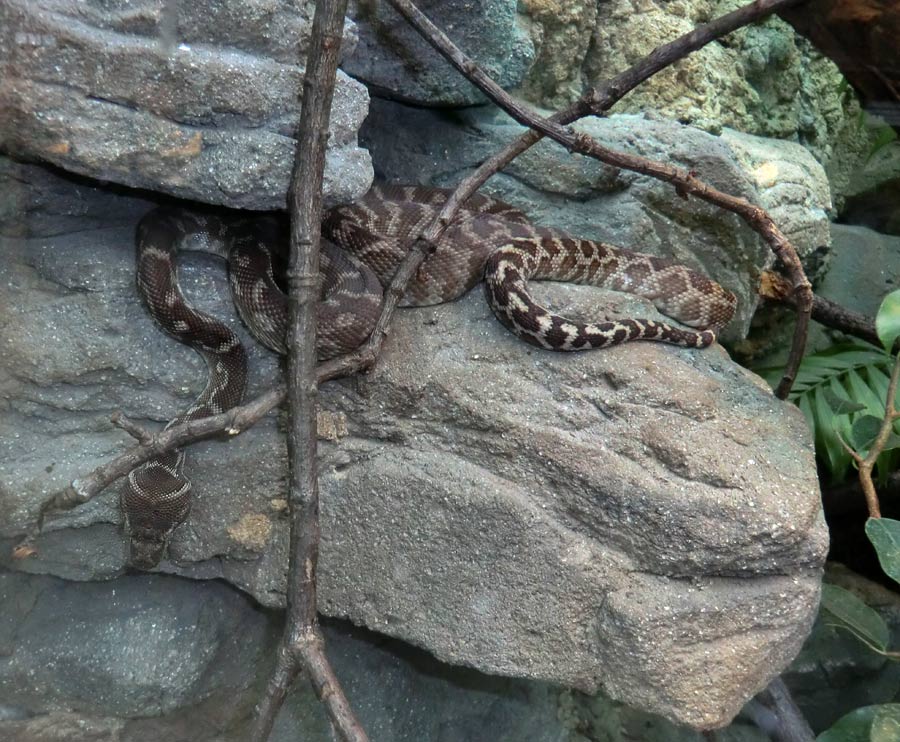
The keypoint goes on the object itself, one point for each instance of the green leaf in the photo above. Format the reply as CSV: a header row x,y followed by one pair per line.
x,y
884,533
855,616
838,403
887,321
859,725
854,371
827,442
864,431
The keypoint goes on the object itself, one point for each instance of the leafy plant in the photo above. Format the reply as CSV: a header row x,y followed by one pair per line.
x,y
867,724
836,389
872,436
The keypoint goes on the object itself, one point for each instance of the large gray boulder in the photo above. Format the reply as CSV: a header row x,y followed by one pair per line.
x,y
643,520
198,100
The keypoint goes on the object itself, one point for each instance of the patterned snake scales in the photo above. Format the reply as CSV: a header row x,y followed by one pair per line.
x,y
489,238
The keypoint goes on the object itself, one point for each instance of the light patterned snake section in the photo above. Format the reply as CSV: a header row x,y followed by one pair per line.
x,y
365,242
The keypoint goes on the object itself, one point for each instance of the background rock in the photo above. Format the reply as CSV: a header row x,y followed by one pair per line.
x,y
590,199
599,520
199,101
157,657
395,62
141,646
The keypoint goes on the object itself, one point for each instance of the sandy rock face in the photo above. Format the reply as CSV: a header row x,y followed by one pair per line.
x,y
643,520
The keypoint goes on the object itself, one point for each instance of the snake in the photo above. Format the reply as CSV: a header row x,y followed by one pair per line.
x,y
363,244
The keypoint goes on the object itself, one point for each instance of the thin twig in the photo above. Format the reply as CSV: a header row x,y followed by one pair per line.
x,y
866,464
787,723
603,96
685,182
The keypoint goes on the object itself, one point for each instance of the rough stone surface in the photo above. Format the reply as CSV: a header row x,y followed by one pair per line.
x,y
762,80
644,520
140,646
396,62
593,200
562,31
156,657
865,265
199,101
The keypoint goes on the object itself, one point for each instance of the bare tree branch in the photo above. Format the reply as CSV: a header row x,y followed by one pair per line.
x,y
600,98
686,183
775,287
776,713
302,645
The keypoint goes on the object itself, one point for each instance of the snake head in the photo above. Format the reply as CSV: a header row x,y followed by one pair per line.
x,y
147,548
151,516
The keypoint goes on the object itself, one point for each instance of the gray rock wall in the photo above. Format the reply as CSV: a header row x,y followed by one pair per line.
x,y
199,101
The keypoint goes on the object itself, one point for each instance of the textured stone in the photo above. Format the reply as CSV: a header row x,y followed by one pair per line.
x,y
394,61
763,79
644,520
200,103
141,646
102,649
865,265
562,31
590,199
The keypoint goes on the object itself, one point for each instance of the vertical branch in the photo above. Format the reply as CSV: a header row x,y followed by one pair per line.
x,y
302,645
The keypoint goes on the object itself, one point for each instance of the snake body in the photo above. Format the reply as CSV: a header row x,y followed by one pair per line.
x,y
364,243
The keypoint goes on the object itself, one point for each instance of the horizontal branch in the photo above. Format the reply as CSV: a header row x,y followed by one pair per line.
x,y
775,287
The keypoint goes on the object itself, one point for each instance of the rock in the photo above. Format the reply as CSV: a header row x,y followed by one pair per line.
x,y
562,32
104,648
139,646
865,266
394,61
593,200
792,186
644,520
762,80
200,103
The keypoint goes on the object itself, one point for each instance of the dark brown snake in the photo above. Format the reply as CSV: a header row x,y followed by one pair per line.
x,y
364,243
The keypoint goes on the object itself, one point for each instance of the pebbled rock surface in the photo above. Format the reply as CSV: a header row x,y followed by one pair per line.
x,y
591,199
395,62
643,520
197,101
